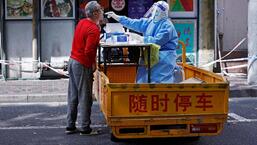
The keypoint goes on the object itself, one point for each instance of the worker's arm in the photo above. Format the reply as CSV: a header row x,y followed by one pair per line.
x,y
138,25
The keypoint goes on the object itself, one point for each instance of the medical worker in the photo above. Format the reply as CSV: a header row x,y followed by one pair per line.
x,y
156,28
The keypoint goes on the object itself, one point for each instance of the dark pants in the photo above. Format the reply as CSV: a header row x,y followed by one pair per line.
x,y
79,92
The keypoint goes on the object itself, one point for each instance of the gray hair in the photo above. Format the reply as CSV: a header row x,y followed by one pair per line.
x,y
90,8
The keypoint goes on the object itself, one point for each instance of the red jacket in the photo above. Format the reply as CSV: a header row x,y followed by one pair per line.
x,y
85,42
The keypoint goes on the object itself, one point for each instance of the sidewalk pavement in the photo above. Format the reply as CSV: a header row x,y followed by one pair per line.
x,y
56,90
240,88
33,91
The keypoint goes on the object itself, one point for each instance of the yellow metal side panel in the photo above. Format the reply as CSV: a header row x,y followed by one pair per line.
x,y
147,103
141,100
164,120
102,94
189,73
96,86
207,76
121,73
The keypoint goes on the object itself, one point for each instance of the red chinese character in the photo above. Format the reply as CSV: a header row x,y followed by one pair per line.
x,y
204,103
156,102
182,101
137,103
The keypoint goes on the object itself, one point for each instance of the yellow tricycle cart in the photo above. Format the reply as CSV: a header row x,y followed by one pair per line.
x,y
197,106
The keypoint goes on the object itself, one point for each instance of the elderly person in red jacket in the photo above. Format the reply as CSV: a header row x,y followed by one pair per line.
x,y
82,65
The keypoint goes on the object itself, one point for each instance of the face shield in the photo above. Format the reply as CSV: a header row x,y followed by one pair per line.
x,y
150,13
158,11
162,11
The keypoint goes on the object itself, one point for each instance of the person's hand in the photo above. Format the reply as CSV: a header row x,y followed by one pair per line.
x,y
113,15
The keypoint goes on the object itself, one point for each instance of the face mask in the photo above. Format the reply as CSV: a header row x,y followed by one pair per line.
x,y
157,16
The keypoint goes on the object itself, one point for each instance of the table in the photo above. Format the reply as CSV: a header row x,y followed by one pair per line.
x,y
124,45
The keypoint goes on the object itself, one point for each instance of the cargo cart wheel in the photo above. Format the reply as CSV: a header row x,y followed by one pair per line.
x,y
195,138
114,139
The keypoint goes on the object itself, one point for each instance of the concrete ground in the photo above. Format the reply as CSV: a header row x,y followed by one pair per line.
x,y
44,124
33,90
240,88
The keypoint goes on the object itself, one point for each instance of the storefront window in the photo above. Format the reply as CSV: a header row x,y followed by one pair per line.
x,y
186,30
18,9
184,16
82,4
137,8
57,9
183,8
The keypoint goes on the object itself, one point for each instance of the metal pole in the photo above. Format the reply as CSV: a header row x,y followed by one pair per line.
x,y
1,28
149,63
215,30
2,52
252,42
34,37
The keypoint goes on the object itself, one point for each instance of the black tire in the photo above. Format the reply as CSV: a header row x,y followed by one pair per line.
x,y
194,138
114,139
